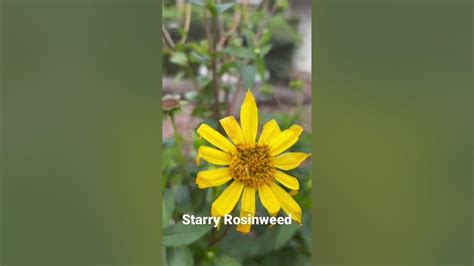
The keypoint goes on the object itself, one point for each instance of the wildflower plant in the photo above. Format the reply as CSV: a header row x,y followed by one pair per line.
x,y
251,165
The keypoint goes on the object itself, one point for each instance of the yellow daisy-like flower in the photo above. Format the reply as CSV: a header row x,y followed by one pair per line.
x,y
251,165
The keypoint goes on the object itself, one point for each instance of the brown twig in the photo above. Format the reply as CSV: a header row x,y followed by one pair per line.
x,y
220,21
222,236
212,42
232,103
232,30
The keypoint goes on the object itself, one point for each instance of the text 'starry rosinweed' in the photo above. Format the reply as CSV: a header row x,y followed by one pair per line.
x,y
253,166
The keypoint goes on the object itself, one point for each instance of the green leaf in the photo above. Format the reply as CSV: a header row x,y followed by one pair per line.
x,y
249,36
260,63
224,260
282,4
296,84
285,233
305,231
196,57
249,247
221,8
179,59
163,255
266,37
181,234
248,75
241,52
167,208
180,256
264,50
181,194
211,6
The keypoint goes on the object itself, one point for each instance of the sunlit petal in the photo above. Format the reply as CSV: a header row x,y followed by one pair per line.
x,y
269,131
233,130
215,138
249,118
288,204
290,160
268,199
247,208
285,140
212,155
212,178
227,200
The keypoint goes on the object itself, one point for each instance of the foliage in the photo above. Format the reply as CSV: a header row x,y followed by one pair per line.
x,y
223,47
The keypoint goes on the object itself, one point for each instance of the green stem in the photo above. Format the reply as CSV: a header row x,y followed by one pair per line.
x,y
179,146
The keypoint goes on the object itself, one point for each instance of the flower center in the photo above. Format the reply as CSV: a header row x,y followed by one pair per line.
x,y
252,165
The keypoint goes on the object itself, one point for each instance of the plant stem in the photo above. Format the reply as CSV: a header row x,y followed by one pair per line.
x,y
192,77
212,42
167,38
214,241
179,146
186,23
215,87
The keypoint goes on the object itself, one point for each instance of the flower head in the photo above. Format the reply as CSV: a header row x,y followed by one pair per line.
x,y
171,103
254,166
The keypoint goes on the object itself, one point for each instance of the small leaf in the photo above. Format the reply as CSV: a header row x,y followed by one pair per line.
x,y
248,75
285,233
264,50
240,52
211,6
305,231
181,234
180,256
179,59
225,260
196,57
167,208
260,63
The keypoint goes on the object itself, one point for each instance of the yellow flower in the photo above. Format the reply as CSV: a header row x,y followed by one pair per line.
x,y
251,165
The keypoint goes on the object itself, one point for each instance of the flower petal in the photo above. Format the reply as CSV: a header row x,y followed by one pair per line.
x,y
227,199
284,140
269,201
270,130
212,178
233,130
288,204
215,138
247,208
290,160
249,118
212,155
287,180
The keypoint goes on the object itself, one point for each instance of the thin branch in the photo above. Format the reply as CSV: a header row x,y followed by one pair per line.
x,y
232,30
167,37
187,22
216,240
207,28
264,24
230,107
220,19
212,42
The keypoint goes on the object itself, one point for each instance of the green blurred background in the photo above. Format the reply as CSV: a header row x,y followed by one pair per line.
x,y
80,160
393,133
81,133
